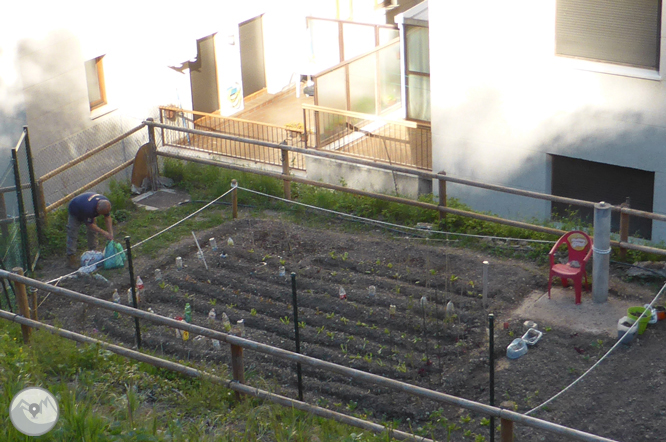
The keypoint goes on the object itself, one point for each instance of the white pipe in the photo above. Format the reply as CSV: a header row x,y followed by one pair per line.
x,y
601,249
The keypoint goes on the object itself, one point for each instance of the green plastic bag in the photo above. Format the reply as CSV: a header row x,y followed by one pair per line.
x,y
117,261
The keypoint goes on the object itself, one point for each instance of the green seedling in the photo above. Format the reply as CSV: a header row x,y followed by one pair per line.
x,y
368,358
301,324
344,320
213,302
320,329
253,312
401,367
332,254
389,265
485,422
285,320
345,256
330,315
343,348
330,335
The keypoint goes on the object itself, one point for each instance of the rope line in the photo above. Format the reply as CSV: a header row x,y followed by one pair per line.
x,y
395,225
153,236
619,341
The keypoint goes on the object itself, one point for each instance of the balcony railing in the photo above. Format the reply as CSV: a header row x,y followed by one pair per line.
x,y
395,142
235,127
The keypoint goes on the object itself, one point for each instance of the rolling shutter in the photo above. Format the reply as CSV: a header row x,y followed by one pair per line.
x,y
615,31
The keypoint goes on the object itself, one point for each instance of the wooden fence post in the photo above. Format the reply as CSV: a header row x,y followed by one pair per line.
x,y
237,367
624,228
234,199
24,307
442,196
285,174
507,430
507,425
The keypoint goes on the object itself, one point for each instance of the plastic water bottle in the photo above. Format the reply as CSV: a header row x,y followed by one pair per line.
x,y
179,263
230,242
450,309
282,271
213,244
129,297
392,310
116,300
342,293
158,275
139,288
226,324
188,313
211,316
216,344
424,301
241,327
372,291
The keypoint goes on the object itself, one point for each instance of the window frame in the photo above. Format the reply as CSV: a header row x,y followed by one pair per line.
x,y
99,67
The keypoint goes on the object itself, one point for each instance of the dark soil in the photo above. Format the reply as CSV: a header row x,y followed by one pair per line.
x,y
622,399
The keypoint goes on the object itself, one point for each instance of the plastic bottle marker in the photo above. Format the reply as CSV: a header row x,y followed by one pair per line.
x,y
281,271
343,293
213,244
188,313
179,263
158,275
372,291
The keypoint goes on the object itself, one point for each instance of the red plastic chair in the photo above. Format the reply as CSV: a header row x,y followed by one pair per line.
x,y
580,251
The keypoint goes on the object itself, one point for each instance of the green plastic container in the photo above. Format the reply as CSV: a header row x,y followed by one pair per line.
x,y
635,312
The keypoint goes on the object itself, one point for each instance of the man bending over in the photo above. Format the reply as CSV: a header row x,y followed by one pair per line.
x,y
84,209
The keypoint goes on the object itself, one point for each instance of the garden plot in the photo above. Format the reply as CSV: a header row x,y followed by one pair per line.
x,y
418,344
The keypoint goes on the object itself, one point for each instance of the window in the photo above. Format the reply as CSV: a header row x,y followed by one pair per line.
x,y
95,80
624,32
417,51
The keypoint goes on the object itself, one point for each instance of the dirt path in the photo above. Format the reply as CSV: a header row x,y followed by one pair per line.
x,y
440,353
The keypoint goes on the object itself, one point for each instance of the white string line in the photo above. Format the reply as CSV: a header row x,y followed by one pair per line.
x,y
619,341
153,236
395,225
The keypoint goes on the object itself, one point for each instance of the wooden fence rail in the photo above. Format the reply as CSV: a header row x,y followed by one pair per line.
x,y
622,244
357,375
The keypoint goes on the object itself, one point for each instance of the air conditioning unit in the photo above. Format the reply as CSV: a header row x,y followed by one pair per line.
x,y
387,4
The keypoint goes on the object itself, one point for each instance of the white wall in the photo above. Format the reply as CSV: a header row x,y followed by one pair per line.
x,y
501,101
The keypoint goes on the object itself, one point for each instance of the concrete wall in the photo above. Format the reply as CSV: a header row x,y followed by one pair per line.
x,y
365,178
502,101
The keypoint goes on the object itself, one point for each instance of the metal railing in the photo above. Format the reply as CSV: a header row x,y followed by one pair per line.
x,y
394,142
175,119
507,417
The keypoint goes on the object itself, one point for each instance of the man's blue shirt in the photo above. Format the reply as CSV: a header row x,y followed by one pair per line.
x,y
84,207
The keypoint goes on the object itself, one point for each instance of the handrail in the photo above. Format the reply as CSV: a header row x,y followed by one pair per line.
x,y
416,172
351,114
228,383
358,57
312,362
217,116
336,20
90,153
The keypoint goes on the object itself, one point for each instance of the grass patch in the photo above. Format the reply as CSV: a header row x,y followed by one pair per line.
x,y
104,397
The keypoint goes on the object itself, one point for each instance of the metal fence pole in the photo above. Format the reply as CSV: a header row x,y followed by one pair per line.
x,y
4,229
135,304
39,216
4,287
602,249
22,218
237,366
296,335
285,171
24,307
234,199
491,360
442,196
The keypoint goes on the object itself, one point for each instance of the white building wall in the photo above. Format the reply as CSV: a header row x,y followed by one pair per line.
x,y
501,102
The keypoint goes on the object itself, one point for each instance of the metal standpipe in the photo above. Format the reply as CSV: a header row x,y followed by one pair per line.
x,y
602,250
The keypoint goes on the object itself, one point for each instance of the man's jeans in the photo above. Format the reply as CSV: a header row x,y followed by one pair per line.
x,y
73,226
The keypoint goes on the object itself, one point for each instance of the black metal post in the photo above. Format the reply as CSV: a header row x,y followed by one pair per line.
x,y
491,358
133,288
4,287
298,339
33,190
22,218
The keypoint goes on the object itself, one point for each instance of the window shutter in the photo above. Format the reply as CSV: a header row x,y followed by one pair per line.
x,y
615,31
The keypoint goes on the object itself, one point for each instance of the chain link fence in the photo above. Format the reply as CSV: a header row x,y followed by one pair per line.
x,y
64,183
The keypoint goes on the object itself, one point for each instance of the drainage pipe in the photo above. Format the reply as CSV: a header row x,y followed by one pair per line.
x,y
601,248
